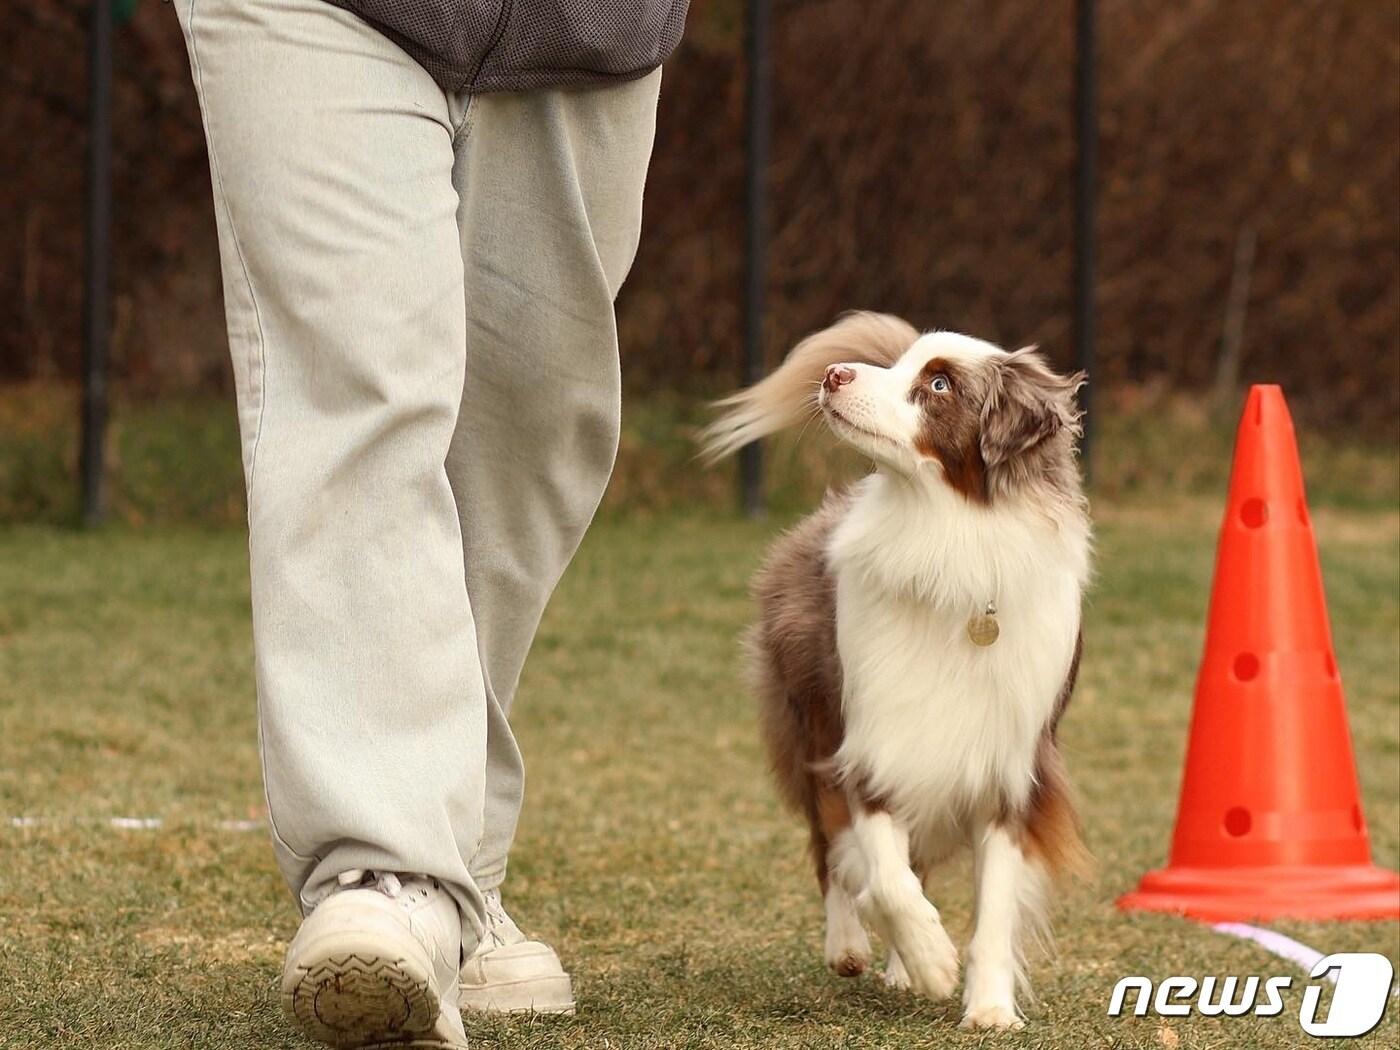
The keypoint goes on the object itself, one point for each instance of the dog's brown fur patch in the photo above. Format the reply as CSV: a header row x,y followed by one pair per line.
x,y
1049,825
951,425
797,675
1029,427
1049,828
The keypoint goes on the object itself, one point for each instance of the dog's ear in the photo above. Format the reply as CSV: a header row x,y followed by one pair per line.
x,y
1027,403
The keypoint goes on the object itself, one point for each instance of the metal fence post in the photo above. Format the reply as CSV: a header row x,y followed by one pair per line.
x,y
97,297
757,110
1087,148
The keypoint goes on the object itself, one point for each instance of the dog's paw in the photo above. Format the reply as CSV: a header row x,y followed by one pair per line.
x,y
931,962
896,976
849,964
992,1018
938,982
847,946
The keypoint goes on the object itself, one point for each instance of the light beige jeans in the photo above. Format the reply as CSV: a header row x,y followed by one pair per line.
x,y
419,291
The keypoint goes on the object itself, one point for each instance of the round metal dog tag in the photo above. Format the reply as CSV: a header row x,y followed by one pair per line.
x,y
983,629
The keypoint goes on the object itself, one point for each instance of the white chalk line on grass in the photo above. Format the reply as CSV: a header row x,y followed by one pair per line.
x,y
136,823
1272,941
1281,945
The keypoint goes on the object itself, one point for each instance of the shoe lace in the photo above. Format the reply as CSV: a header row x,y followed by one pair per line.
x,y
496,918
386,882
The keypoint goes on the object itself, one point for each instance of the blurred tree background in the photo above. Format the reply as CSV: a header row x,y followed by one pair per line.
x,y
922,164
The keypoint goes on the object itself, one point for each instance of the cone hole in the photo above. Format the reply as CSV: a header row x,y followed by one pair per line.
x,y
1238,821
1254,512
1303,511
1246,667
1331,662
1357,820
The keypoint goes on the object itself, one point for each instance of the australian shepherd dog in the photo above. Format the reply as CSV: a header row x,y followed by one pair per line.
x,y
917,641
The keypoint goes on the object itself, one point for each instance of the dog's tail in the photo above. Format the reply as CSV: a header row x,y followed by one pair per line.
x,y
1053,832
785,397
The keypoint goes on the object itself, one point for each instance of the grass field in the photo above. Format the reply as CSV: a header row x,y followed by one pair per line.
x,y
653,853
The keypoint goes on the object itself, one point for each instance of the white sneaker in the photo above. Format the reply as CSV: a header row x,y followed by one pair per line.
x,y
509,973
376,964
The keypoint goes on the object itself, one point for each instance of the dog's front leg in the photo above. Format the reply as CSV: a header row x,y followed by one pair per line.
x,y
847,946
895,975
1007,889
889,896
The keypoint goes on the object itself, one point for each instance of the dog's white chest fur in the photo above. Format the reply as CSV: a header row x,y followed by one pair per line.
x,y
940,727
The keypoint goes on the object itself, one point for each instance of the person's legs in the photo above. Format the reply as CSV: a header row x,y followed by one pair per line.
x,y
331,153
551,206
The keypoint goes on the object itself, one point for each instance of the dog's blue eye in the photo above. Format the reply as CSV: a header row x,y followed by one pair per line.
x,y
940,384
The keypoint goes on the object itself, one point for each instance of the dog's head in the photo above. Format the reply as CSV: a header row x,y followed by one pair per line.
x,y
986,420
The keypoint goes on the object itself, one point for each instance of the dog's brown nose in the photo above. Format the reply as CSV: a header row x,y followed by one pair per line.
x,y
838,376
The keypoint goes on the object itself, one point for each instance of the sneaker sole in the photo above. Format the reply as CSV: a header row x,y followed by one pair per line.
x,y
538,995
353,1000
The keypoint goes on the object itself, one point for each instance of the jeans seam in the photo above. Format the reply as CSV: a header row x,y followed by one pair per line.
x,y
463,128
218,177
277,836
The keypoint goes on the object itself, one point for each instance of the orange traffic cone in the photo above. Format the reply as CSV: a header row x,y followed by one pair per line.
x,y
1269,823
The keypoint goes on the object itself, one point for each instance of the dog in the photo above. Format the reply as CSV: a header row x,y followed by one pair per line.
x,y
918,638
